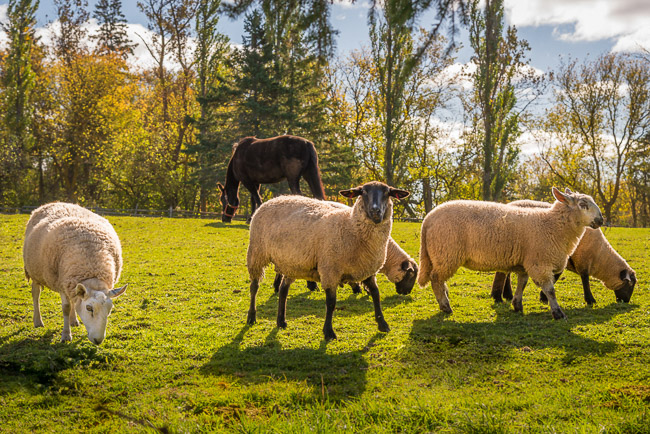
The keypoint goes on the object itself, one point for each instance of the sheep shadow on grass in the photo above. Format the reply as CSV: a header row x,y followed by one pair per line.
x,y
438,343
340,376
35,363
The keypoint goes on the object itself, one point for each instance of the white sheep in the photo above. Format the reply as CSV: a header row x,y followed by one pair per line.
x,y
309,239
488,236
593,256
76,253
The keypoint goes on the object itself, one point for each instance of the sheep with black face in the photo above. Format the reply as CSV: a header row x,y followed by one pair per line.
x,y
308,239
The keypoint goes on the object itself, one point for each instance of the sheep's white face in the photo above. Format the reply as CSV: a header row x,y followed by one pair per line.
x,y
589,211
94,307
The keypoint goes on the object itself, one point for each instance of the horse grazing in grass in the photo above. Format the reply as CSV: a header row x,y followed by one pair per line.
x,y
267,161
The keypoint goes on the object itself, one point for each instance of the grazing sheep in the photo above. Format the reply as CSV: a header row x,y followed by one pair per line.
x,y
594,256
399,268
487,236
308,239
76,253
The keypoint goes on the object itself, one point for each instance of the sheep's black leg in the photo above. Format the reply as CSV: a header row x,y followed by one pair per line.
x,y
542,296
507,288
371,284
356,288
586,287
330,302
517,300
312,286
252,310
277,282
497,286
282,302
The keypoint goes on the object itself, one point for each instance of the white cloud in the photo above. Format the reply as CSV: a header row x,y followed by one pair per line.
x,y
626,21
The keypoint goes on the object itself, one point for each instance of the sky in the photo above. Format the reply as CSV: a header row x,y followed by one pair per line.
x,y
553,28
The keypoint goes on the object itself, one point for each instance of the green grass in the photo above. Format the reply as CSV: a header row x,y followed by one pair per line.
x,y
178,356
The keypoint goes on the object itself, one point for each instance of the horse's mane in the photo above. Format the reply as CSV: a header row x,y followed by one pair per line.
x,y
245,139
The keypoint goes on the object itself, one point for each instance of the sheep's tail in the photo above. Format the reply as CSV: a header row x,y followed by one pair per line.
x,y
312,175
424,273
26,274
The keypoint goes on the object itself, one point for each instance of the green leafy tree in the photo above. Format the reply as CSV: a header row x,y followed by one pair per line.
x,y
18,79
500,62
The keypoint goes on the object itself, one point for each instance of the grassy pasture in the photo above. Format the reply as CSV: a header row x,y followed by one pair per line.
x,y
178,356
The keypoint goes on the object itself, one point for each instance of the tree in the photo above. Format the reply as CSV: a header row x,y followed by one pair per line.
x,y
112,36
392,52
605,105
72,15
18,83
500,63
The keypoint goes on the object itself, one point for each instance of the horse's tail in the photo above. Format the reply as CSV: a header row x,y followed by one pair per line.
x,y
312,174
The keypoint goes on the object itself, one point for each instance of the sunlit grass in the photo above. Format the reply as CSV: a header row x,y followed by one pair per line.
x,y
178,355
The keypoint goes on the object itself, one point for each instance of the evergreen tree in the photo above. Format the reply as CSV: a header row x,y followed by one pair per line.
x,y
257,87
111,36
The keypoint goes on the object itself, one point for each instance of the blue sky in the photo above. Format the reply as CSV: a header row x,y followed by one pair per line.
x,y
554,28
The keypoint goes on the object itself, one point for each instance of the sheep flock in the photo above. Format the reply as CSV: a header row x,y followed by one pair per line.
x,y
78,254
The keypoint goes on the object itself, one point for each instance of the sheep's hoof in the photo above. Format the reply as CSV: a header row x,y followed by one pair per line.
x,y
518,305
38,323
312,286
446,309
251,318
329,334
74,323
542,297
497,298
382,325
558,314
282,324
591,301
356,288
66,338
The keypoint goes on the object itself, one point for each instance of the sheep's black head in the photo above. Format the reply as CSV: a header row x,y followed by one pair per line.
x,y
628,281
375,196
228,210
589,211
405,286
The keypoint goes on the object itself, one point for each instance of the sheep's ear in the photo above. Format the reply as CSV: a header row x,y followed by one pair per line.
x,y
398,194
81,291
351,193
559,196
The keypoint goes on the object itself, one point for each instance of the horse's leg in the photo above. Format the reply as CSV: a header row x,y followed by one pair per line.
x,y
256,200
294,185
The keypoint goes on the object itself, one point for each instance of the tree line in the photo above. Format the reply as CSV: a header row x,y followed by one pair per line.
x,y
82,123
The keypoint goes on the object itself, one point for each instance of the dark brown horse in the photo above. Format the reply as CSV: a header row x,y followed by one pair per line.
x,y
267,161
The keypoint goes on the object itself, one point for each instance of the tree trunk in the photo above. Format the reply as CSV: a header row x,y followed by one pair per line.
x,y
428,197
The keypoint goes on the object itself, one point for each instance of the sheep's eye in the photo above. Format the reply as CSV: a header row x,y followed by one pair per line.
x,y
89,308
583,205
